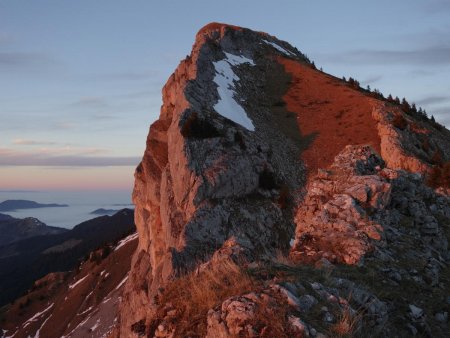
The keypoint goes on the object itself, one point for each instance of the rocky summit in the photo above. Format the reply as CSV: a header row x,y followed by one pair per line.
x,y
275,200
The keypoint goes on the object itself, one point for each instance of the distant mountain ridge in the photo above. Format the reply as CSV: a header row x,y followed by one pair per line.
x,y
4,217
15,229
102,211
12,205
23,262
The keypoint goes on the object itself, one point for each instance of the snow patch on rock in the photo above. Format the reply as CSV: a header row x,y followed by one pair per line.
x,y
97,323
225,79
71,286
122,282
279,48
126,240
38,332
85,311
37,315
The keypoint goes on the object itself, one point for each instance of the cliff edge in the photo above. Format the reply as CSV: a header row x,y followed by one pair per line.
x,y
230,196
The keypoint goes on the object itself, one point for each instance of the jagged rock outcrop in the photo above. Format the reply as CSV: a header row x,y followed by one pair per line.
x,y
221,180
410,147
333,222
224,178
350,207
387,221
238,316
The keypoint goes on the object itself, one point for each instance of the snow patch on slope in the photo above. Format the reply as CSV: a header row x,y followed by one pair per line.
x,y
38,332
225,79
37,315
79,325
4,332
71,286
85,311
125,241
279,48
122,282
95,325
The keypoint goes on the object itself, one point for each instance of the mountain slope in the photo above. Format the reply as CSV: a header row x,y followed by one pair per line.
x,y
272,200
228,185
23,262
337,113
14,229
80,303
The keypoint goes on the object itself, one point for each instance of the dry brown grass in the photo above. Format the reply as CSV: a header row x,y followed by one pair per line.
x,y
347,324
194,294
271,319
282,258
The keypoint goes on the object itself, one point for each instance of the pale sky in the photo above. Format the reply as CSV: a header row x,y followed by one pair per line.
x,y
80,81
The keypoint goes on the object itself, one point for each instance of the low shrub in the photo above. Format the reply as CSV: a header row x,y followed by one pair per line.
x,y
194,294
440,176
399,122
425,145
347,324
436,159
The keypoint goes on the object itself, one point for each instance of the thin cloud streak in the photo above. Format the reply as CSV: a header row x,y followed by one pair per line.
x,y
433,100
63,150
68,161
127,76
20,59
64,157
25,142
64,125
153,90
372,80
442,115
421,73
430,56
91,102
437,6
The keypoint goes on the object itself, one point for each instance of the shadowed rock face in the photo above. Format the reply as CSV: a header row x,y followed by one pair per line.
x,y
224,173
205,179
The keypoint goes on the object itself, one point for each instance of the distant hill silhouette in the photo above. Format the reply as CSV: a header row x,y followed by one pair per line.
x,y
102,211
22,262
11,205
15,229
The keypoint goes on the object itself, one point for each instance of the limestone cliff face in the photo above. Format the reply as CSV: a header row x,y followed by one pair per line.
x,y
226,167
205,179
403,149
